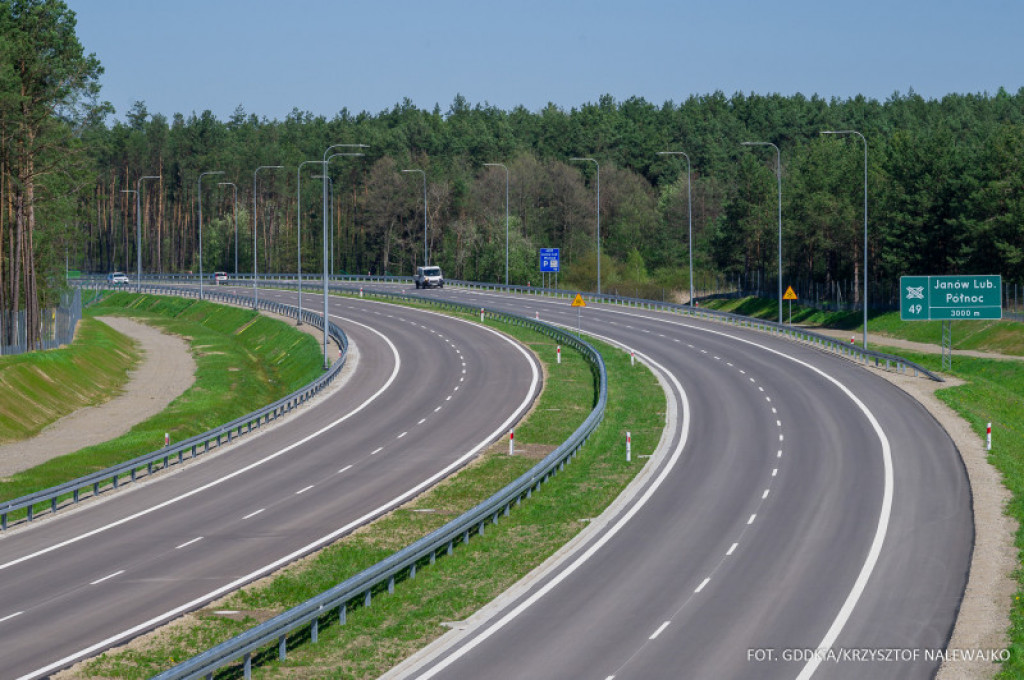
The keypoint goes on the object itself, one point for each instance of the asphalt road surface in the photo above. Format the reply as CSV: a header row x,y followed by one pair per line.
x,y
421,402
808,519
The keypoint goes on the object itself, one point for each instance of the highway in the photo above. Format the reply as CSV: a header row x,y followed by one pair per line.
x,y
420,402
802,504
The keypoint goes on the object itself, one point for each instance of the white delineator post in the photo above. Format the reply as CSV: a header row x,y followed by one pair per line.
x,y
511,442
629,447
632,358
167,438
360,291
481,315
558,352
988,437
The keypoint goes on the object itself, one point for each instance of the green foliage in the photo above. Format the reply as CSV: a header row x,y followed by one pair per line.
x,y
244,360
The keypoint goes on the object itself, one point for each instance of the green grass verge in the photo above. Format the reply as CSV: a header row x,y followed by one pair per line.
x,y
243,361
376,638
38,388
1002,337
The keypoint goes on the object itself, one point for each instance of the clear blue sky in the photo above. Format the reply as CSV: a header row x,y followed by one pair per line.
x,y
367,55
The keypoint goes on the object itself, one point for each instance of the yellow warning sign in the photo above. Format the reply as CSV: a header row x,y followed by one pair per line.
x,y
578,302
790,295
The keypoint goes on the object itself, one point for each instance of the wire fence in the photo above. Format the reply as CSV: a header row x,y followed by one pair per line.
x,y
56,326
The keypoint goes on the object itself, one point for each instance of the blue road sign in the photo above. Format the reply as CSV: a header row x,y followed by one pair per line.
x,y
549,258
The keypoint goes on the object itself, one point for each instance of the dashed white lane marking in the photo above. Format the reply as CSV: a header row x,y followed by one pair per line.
x,y
703,583
107,577
779,454
732,549
376,450
10,616
253,514
765,494
304,489
779,423
661,628
752,518
402,435
448,398
775,472
188,543
347,467
437,409
421,421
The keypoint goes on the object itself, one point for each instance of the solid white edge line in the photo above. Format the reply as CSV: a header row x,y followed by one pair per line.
x,y
885,512
394,502
454,655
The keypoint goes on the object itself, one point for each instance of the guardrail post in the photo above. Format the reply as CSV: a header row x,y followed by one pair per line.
x,y
247,666
367,599
282,647
391,585
342,611
314,631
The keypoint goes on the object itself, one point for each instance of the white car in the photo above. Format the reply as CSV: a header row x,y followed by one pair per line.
x,y
219,277
117,278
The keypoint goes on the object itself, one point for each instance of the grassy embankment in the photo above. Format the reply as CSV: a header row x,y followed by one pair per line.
x,y
376,638
993,392
243,361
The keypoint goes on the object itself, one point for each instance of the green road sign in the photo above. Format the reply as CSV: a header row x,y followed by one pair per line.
x,y
944,298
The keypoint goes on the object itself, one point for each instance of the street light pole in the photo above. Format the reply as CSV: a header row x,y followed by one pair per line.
x,y
327,159
689,209
298,233
502,165
331,212
598,218
199,184
424,212
235,210
863,139
255,289
778,177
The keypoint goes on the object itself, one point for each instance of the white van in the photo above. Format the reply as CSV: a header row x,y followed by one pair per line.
x,y
428,277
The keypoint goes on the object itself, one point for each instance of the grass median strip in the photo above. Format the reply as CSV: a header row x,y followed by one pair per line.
x,y
376,638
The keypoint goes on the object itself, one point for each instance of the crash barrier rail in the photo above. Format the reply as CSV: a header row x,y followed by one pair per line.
x,y
113,477
360,589
850,350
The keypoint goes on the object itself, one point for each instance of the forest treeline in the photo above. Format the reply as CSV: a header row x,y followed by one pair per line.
x,y
945,186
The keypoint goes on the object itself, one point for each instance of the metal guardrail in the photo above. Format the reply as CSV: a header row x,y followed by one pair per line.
x,y
889,362
404,563
113,477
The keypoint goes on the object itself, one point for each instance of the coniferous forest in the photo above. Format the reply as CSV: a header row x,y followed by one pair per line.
x,y
945,185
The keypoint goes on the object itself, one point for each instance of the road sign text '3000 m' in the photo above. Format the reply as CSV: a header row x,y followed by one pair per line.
x,y
944,298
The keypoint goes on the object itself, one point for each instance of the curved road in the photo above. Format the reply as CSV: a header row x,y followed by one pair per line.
x,y
804,504
420,403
